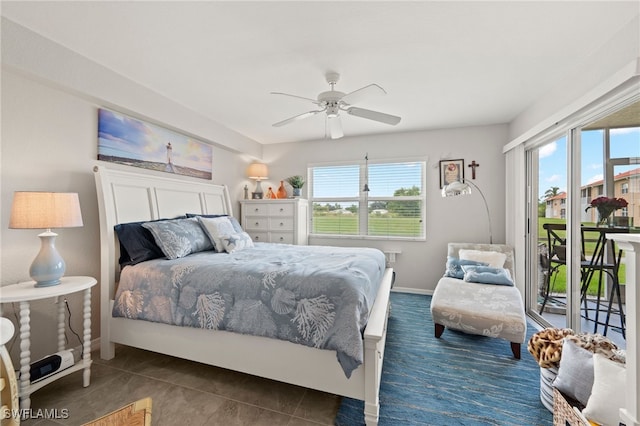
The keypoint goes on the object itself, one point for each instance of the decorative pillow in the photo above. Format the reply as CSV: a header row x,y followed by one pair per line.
x,y
453,268
575,375
235,242
216,228
234,221
493,258
486,275
180,237
608,392
137,243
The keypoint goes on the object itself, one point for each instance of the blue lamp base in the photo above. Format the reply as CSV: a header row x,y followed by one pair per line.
x,y
48,266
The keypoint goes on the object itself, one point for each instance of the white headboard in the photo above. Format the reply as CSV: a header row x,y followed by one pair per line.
x,y
131,197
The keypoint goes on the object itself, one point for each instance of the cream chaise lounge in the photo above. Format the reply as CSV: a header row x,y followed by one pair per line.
x,y
484,309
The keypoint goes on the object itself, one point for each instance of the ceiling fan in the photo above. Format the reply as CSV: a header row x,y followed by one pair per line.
x,y
333,102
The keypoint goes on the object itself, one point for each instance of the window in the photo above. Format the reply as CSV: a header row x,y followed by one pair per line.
x,y
625,188
393,206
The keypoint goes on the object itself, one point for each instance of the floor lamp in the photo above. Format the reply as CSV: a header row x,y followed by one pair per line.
x,y
463,187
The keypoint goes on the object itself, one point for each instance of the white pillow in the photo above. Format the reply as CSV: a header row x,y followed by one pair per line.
x,y
575,374
216,228
235,242
493,258
608,392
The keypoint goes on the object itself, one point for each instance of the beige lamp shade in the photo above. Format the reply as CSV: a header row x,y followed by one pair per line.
x,y
45,210
257,171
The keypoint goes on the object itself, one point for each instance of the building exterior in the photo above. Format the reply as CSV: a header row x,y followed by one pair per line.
x,y
626,185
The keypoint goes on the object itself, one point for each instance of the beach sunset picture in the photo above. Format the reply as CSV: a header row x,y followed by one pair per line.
x,y
126,140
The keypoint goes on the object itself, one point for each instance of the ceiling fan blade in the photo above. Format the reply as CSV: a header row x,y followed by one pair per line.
x,y
315,101
296,118
374,115
335,127
360,94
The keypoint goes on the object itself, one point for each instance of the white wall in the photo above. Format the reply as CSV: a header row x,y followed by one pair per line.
x,y
459,219
49,143
601,73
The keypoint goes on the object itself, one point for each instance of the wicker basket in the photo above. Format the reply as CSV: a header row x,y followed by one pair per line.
x,y
563,412
135,414
547,376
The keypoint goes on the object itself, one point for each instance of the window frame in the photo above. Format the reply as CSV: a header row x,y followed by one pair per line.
x,y
363,199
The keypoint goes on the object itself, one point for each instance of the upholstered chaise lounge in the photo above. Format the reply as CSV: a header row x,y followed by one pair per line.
x,y
475,308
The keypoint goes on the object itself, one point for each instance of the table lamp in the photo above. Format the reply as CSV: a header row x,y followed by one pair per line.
x,y
463,187
257,171
46,210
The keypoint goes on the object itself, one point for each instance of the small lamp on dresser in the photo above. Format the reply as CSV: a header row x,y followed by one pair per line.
x,y
257,171
46,210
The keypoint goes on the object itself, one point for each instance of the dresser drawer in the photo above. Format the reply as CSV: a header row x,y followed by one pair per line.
x,y
259,237
281,224
280,209
282,237
261,209
257,223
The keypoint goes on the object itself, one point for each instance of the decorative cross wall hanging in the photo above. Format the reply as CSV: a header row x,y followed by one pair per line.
x,y
473,166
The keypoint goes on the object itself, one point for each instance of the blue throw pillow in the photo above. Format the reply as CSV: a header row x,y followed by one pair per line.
x,y
137,243
487,275
180,237
454,267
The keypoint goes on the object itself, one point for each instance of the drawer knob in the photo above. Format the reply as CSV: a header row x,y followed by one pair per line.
x,y
281,238
281,224
257,223
257,209
256,238
281,209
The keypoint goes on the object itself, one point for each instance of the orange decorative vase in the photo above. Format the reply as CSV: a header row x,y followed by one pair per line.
x,y
282,193
270,194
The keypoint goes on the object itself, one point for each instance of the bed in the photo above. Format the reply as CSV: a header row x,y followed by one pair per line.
x,y
124,197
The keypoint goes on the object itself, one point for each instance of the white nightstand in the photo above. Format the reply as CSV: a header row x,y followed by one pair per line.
x,y
24,293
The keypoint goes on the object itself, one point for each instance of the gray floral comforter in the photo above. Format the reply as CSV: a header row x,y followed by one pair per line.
x,y
313,295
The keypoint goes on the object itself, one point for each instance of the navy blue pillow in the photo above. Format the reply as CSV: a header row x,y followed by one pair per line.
x,y
137,243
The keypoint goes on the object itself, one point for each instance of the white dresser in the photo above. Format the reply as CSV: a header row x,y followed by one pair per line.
x,y
276,221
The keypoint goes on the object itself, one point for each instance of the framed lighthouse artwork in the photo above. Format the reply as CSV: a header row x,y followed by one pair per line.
x,y
126,140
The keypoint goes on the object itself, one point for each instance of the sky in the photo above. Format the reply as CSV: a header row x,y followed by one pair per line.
x,y
553,157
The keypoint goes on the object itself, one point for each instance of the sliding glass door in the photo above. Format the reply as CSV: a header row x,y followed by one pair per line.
x,y
570,174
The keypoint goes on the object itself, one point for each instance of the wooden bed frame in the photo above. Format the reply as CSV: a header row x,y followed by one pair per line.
x,y
129,197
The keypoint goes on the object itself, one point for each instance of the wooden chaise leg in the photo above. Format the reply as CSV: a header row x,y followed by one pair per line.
x,y
515,348
439,329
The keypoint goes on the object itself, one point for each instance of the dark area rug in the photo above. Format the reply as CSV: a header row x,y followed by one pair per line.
x,y
459,379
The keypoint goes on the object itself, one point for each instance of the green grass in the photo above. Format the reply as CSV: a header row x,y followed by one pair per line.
x,y
559,279
378,225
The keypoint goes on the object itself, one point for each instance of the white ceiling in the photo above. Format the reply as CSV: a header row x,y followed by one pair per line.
x,y
443,64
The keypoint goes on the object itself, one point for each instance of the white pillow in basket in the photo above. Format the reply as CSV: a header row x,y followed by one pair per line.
x,y
492,258
608,392
575,375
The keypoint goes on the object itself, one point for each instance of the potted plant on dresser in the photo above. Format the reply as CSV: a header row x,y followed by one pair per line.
x,y
296,182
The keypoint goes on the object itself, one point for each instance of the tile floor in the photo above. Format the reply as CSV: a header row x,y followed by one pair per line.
x,y
183,393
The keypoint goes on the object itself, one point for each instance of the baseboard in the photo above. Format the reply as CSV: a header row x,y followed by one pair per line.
x,y
95,345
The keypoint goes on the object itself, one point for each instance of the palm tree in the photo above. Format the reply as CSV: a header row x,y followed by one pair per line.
x,y
551,192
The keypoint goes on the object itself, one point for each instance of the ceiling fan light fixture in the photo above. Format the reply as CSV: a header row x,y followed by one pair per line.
x,y
332,102
332,111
